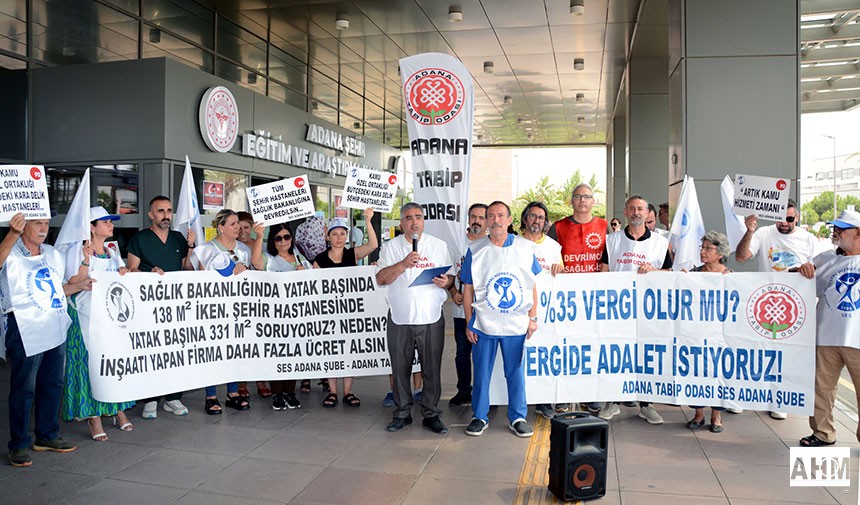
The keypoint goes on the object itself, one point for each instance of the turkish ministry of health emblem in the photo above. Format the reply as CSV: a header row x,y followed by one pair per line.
x,y
219,119
434,96
776,311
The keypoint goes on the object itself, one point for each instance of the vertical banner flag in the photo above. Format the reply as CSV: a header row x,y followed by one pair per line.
x,y
76,227
187,214
439,100
735,227
688,228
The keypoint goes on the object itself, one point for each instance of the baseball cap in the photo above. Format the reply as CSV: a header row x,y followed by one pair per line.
x,y
847,219
337,222
100,214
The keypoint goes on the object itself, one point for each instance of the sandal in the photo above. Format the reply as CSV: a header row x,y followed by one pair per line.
x,y
210,407
263,389
813,441
716,428
695,425
324,384
98,436
124,426
330,401
306,386
243,390
351,400
237,403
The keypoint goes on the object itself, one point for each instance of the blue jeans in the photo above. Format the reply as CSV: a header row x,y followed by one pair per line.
x,y
463,357
232,387
484,356
35,379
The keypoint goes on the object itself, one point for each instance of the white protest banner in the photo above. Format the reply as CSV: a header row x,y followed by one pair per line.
x,y
764,197
281,201
23,189
155,334
369,188
439,98
739,340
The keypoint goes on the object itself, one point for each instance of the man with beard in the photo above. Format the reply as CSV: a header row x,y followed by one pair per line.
x,y
463,357
159,249
635,249
415,317
837,282
498,277
780,247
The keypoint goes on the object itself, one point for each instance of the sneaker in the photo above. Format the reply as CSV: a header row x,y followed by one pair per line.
x,y
54,444
545,409
461,399
279,402
562,407
175,407
388,401
398,423
779,415
292,401
476,427
521,428
609,411
20,458
649,414
150,410
418,396
435,425
592,407
734,411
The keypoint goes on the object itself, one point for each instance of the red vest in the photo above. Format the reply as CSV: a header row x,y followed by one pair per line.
x,y
581,244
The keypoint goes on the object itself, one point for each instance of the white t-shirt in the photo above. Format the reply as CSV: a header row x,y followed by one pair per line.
x,y
418,304
547,251
625,255
837,284
778,252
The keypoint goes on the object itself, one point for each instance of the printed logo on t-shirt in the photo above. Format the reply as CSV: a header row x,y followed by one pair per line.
x,y
843,292
504,292
782,260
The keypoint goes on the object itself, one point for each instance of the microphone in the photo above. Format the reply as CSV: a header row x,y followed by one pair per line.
x,y
414,242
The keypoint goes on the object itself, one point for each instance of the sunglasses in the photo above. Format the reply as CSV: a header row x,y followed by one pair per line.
x,y
233,253
790,219
279,238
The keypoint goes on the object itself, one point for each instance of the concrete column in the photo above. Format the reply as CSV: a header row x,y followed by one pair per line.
x,y
734,94
648,128
618,188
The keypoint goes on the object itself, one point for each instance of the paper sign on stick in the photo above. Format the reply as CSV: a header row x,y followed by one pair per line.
x,y
369,188
281,201
23,189
763,197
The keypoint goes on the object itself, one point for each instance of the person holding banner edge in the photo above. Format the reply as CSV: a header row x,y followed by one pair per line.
x,y
159,249
227,256
78,401
837,283
337,255
415,317
37,376
504,315
635,248
280,256
246,225
780,247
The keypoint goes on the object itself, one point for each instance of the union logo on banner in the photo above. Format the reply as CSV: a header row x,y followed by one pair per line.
x,y
776,311
434,96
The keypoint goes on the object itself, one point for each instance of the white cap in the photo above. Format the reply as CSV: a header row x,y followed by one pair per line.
x,y
100,214
847,219
337,222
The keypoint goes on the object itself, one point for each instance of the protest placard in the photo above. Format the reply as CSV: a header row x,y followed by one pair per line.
x,y
281,201
764,197
742,340
151,334
23,189
369,189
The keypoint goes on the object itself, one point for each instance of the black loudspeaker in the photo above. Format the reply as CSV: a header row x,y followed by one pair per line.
x,y
577,456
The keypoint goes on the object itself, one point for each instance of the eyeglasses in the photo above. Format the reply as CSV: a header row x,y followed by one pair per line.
x,y
279,238
583,197
536,217
706,247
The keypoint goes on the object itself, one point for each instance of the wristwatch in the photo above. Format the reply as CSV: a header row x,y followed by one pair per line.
x,y
533,318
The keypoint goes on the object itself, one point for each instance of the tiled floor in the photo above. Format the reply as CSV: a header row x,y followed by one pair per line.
x,y
344,456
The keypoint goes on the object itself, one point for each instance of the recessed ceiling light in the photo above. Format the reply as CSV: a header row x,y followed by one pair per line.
x,y
488,67
578,63
342,22
577,7
455,14
580,119
508,100
154,35
356,125
580,97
